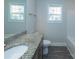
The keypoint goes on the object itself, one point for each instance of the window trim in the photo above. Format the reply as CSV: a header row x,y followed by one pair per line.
x,y
12,20
56,21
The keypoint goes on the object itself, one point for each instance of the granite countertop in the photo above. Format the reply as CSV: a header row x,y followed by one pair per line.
x,y
8,35
31,40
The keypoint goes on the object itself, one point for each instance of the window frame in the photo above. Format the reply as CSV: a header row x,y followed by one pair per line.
x,y
9,14
61,15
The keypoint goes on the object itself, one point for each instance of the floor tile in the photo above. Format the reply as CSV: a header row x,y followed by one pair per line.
x,y
58,52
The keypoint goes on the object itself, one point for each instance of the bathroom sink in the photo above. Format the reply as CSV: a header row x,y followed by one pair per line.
x,y
15,52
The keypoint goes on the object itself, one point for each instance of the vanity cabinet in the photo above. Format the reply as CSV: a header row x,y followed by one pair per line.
x,y
39,52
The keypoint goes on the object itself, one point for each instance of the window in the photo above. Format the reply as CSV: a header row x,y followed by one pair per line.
x,y
55,14
17,12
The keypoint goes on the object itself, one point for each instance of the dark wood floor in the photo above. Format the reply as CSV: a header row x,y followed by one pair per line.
x,y
58,52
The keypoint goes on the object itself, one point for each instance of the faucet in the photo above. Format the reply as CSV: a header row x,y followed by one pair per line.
x,y
4,45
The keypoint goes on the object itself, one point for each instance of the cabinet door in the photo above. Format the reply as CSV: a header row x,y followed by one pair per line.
x,y
35,55
40,51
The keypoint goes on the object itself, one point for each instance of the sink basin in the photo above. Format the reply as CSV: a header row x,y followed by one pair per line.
x,y
15,52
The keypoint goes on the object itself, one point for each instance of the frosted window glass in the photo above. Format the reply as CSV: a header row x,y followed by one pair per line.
x,y
55,14
54,17
17,12
17,9
55,10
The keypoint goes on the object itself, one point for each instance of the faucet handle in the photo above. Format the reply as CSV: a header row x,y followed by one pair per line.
x,y
4,45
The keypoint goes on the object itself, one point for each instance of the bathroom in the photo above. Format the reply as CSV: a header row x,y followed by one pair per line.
x,y
39,29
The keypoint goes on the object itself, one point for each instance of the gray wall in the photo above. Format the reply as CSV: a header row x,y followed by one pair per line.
x,y
70,7
31,16
55,32
13,27
29,23
71,19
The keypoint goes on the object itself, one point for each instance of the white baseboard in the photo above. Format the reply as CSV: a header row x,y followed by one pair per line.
x,y
71,53
71,46
58,44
